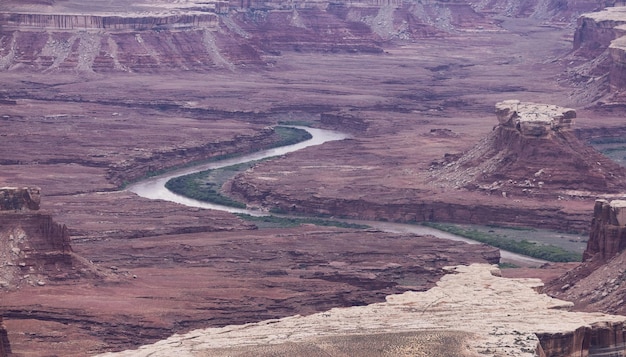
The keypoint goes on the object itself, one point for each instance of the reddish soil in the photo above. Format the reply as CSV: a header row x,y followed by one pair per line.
x,y
174,283
80,135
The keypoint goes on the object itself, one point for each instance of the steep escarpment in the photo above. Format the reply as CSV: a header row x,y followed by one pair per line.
x,y
608,231
5,346
600,37
150,36
33,247
407,206
598,339
599,283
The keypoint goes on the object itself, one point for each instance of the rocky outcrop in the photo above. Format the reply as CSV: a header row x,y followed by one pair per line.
x,y
5,346
607,237
20,198
533,151
33,248
595,31
603,35
599,283
534,119
598,339
504,317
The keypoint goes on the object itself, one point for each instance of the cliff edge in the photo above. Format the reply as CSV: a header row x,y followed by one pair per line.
x,y
599,283
472,311
600,39
33,247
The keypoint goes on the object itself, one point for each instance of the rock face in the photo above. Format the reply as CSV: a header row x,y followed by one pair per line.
x,y
602,35
33,248
608,230
5,347
533,150
17,199
493,315
534,119
33,245
147,36
599,283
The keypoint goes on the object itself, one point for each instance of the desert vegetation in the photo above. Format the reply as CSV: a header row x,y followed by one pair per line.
x,y
533,249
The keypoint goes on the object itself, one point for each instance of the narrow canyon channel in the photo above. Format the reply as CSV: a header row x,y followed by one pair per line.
x,y
154,188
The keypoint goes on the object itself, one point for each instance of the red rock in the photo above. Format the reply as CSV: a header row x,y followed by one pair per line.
x,y
14,199
5,347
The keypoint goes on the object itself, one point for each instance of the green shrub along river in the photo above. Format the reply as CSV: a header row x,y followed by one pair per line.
x,y
526,247
206,186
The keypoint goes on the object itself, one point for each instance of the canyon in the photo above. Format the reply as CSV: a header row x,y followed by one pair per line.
x,y
96,96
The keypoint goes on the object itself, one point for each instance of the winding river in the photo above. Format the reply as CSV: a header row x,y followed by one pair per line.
x,y
154,188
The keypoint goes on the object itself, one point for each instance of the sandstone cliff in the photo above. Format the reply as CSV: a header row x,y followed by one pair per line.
x,y
202,36
14,198
601,38
608,230
33,247
599,282
532,151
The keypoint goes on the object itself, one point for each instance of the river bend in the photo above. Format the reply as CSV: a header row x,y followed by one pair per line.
x,y
154,188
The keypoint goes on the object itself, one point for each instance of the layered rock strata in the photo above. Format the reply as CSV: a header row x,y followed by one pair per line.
x,y
607,237
148,36
111,22
489,315
33,247
599,283
20,198
533,151
605,31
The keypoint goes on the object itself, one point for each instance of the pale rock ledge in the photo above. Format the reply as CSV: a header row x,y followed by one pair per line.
x,y
534,119
495,317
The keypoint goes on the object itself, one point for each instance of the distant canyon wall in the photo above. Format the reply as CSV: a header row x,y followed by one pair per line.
x,y
226,34
605,32
109,22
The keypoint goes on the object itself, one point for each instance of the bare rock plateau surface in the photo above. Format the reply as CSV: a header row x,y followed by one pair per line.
x,y
97,95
